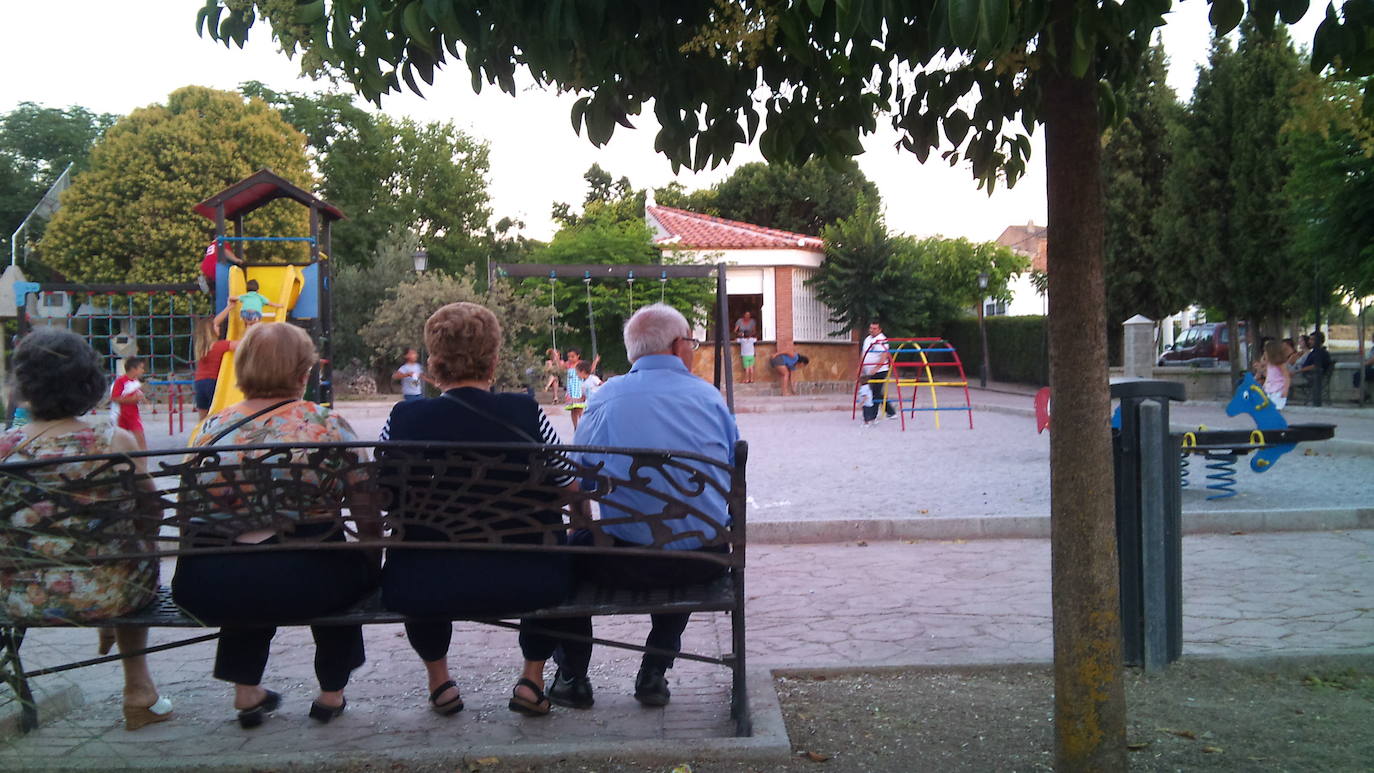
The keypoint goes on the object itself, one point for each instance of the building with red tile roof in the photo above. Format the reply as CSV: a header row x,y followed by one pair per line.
x,y
766,274
1030,241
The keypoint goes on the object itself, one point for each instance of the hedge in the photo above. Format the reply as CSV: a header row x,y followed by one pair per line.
x,y
1017,347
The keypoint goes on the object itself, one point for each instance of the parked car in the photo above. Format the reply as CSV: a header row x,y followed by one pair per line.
x,y
1202,345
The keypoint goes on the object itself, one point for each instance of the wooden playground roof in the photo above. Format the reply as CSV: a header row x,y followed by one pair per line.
x,y
259,188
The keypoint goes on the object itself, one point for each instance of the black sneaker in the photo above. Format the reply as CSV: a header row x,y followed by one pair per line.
x,y
651,687
574,692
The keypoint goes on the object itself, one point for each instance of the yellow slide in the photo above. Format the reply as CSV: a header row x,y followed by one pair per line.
x,y
281,285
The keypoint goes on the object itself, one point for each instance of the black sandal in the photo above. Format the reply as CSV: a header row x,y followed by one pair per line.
x,y
447,708
252,717
322,713
537,708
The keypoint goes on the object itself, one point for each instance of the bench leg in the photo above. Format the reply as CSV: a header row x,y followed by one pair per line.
x,y
12,670
739,692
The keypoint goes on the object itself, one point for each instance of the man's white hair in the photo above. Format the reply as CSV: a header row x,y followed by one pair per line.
x,y
653,329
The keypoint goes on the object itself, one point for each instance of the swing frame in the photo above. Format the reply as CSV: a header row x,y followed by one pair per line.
x,y
723,366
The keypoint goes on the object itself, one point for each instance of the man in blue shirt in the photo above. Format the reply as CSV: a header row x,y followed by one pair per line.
x,y
658,404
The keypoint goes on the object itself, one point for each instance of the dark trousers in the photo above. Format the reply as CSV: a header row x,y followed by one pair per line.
x,y
249,592
443,584
877,382
574,657
1316,382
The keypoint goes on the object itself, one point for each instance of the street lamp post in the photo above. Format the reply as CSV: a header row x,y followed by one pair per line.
x,y
421,260
983,329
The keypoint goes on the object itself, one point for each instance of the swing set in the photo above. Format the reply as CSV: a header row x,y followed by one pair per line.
x,y
722,370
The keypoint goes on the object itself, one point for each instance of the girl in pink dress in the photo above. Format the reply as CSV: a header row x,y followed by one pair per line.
x,y
1276,380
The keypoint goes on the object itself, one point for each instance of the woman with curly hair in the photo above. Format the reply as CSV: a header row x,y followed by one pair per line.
x,y
463,340
59,376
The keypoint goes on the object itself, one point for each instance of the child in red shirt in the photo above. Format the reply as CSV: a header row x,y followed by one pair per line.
x,y
125,396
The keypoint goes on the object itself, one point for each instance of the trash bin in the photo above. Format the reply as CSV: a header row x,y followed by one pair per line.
x,y
1149,522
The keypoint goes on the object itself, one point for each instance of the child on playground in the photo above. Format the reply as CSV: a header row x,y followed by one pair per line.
x,y
576,394
125,396
209,265
251,303
210,351
412,376
1276,376
551,367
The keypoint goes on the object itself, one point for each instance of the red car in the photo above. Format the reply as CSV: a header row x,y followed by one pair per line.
x,y
1201,345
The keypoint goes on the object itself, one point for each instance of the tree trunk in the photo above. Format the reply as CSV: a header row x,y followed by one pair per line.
x,y
1089,699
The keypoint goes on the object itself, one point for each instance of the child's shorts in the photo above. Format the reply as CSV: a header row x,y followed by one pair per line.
x,y
250,316
132,425
205,393
747,359
577,406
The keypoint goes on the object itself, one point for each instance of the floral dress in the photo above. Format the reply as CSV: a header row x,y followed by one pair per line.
x,y
64,594
298,422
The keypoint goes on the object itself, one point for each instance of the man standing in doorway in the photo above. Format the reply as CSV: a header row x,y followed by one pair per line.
x,y
874,367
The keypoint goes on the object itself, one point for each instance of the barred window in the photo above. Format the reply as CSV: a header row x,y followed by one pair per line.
x,y
810,317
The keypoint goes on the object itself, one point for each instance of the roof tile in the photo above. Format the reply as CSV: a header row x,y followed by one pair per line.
x,y
698,231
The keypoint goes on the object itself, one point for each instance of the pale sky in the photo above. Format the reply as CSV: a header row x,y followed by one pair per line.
x,y
116,56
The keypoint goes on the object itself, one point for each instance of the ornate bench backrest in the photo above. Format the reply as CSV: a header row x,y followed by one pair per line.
x,y
366,495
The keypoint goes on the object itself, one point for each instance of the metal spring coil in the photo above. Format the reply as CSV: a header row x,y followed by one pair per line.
x,y
1183,468
1223,476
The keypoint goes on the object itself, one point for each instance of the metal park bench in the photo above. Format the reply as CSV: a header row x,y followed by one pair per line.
x,y
479,497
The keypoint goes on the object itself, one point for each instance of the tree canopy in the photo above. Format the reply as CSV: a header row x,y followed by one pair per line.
x,y
913,286
398,322
1331,189
802,199
128,217
36,144
392,173
1142,277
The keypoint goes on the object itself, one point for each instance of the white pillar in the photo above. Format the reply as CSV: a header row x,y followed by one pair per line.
x,y
1138,352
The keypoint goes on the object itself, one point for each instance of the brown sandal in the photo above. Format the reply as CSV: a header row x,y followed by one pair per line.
x,y
536,708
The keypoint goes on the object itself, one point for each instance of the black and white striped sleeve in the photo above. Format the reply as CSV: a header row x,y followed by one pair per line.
x,y
549,437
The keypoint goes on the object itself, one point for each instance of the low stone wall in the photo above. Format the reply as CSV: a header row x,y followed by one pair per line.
x,y
1214,384
830,362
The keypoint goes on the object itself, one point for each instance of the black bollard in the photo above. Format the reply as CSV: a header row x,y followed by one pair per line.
x,y
1149,523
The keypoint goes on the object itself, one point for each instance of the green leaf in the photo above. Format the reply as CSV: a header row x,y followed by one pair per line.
x,y
417,25
817,7
1292,11
956,126
996,15
310,13
964,20
1226,14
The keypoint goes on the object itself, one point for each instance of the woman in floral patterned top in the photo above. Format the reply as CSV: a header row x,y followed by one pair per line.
x,y
60,377
273,363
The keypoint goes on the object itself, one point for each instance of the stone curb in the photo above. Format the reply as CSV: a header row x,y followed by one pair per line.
x,y
51,703
1038,526
1315,659
768,744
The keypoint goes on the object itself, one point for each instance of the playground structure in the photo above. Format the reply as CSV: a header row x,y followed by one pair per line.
x,y
1272,437
166,325
722,368
301,289
915,364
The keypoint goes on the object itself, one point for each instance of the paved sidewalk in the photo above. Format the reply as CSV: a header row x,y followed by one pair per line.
x,y
814,606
